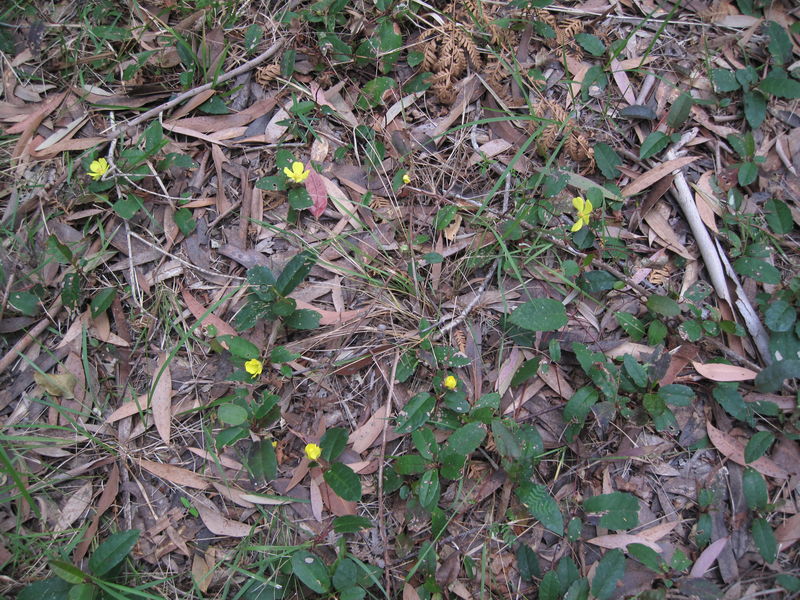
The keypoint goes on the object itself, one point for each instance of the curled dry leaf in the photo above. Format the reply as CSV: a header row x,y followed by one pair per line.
x,y
363,437
733,450
648,537
720,372
788,532
217,523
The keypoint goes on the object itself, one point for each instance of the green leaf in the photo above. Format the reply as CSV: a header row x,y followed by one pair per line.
x,y
782,87
333,443
345,574
607,160
303,319
373,92
757,269
619,510
231,435
691,329
71,292
295,272
771,379
67,571
344,482
540,314
631,325
789,582
780,316
232,414
280,354
415,413
444,217
635,371
351,524
112,551
610,570
528,563
541,505
653,144
425,443
299,198
185,221
102,301
214,106
663,305
645,555
778,216
755,489
724,80
465,440
748,171
597,281
676,394
284,307
262,462
728,396
638,111
764,539
429,490
755,108
128,206
591,43
411,464
758,446
389,43
679,111
526,370
240,347
60,252
580,404
252,37
309,569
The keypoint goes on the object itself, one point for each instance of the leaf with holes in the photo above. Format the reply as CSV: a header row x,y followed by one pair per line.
x,y
619,510
309,569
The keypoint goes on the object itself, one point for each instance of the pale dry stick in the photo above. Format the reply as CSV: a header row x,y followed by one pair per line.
x,y
250,64
29,337
6,294
712,254
787,162
184,262
381,517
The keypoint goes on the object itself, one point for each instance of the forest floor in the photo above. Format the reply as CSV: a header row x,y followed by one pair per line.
x,y
387,299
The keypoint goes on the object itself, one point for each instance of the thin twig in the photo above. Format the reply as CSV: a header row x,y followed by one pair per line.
x,y
28,338
184,262
199,89
381,518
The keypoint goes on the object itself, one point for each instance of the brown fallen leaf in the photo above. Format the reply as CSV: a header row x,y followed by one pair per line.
x,y
648,178
162,397
720,372
74,507
217,523
707,557
130,408
788,532
176,475
733,450
315,494
106,499
198,310
648,537
60,385
201,572
363,437
330,317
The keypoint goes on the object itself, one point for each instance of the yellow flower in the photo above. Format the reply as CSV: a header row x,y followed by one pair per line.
x,y
313,452
584,209
274,444
98,168
298,173
406,178
450,382
254,367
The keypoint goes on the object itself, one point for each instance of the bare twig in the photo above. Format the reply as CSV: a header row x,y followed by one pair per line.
x,y
199,89
381,461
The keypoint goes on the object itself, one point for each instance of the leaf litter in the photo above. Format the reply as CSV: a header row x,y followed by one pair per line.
x,y
629,363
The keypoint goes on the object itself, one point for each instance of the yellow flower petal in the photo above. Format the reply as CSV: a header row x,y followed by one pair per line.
x,y
587,207
254,367
450,382
577,226
406,178
578,203
98,168
298,173
313,452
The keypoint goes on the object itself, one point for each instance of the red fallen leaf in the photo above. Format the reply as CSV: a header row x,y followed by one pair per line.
x,y
315,187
